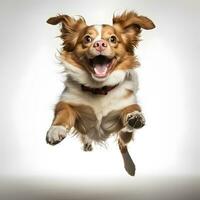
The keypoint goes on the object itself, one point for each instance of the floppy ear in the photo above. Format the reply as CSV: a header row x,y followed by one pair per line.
x,y
127,19
130,24
70,28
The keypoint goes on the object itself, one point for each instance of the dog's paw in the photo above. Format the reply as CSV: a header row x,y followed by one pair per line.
x,y
56,134
135,120
87,147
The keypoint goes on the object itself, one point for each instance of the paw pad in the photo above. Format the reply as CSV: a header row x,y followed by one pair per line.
x,y
135,120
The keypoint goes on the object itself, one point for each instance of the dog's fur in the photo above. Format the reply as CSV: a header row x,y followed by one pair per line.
x,y
99,98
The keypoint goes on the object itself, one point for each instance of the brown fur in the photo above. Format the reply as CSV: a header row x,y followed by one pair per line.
x,y
128,93
125,137
81,53
129,24
65,115
69,30
126,27
79,116
122,147
71,58
84,119
129,109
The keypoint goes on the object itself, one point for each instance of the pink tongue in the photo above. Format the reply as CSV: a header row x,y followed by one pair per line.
x,y
100,70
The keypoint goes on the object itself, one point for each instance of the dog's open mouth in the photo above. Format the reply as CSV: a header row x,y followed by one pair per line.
x,y
101,65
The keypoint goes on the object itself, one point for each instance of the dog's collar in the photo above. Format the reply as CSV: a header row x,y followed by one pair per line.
x,y
101,91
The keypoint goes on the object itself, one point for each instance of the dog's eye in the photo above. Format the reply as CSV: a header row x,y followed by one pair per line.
x,y
87,39
113,39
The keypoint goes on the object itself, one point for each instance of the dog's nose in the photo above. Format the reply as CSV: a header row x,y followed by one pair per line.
x,y
100,45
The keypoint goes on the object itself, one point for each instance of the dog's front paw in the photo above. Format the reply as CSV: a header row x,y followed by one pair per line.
x,y
56,134
135,120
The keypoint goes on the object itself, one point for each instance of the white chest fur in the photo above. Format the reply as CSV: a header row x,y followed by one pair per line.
x,y
101,104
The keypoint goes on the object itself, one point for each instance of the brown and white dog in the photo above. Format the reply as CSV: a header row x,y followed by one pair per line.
x,y
99,99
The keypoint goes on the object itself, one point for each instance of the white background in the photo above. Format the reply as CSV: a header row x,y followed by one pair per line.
x,y
30,83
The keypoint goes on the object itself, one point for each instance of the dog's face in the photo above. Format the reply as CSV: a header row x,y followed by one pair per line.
x,y
101,50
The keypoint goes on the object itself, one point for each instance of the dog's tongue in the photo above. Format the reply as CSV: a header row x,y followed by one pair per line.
x,y
100,70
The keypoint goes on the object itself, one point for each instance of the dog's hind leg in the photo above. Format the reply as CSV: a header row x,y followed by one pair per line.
x,y
87,143
124,138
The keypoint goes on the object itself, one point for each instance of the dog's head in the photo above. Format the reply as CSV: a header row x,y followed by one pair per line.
x,y
101,52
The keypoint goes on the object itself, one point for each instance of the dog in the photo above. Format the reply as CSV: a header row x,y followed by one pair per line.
x,y
99,99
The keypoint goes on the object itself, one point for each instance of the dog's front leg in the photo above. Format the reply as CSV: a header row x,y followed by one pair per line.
x,y
64,120
132,118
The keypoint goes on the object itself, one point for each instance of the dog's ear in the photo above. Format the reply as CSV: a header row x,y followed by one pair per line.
x,y
70,29
127,19
130,25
